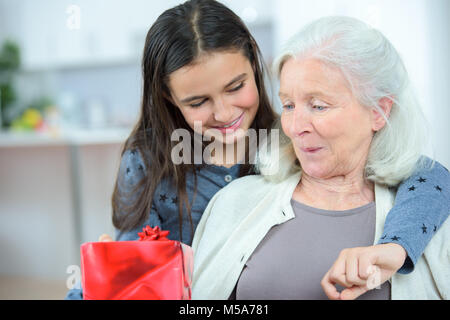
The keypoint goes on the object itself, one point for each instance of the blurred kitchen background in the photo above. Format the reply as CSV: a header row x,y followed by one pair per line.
x,y
70,91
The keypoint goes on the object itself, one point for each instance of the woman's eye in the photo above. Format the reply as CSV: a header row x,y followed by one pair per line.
x,y
198,104
237,87
288,107
319,108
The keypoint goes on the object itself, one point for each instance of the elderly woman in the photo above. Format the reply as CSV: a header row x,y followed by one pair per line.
x,y
353,131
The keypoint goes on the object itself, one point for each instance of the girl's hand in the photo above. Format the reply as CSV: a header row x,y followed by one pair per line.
x,y
105,237
362,269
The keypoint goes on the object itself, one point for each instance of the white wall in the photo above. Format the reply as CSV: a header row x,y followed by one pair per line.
x,y
108,31
438,81
38,234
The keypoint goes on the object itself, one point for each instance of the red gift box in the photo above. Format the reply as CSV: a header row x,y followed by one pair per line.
x,y
153,268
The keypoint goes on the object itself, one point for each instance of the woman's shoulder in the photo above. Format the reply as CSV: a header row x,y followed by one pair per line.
x,y
227,210
242,195
247,180
251,186
258,184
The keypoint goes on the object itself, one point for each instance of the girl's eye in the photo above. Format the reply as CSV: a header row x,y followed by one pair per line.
x,y
199,103
237,87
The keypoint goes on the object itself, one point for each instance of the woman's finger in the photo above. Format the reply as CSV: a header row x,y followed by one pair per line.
x,y
329,287
340,279
366,264
336,274
352,271
353,292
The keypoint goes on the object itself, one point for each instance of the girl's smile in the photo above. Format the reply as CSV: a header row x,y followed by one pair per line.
x,y
232,126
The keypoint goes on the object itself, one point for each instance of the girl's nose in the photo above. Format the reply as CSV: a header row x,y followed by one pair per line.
x,y
223,112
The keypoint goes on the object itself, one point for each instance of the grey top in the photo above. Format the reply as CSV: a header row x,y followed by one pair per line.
x,y
292,259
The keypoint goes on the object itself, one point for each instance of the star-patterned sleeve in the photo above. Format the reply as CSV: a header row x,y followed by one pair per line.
x,y
131,172
422,204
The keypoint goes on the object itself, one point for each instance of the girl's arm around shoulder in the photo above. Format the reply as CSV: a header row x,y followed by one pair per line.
x,y
422,204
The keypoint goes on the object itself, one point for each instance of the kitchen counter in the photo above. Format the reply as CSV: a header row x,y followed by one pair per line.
x,y
68,137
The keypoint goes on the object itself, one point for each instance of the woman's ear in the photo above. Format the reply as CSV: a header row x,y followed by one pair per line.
x,y
378,120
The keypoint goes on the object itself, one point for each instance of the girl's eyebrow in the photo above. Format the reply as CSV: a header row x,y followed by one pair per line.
x,y
235,79
187,100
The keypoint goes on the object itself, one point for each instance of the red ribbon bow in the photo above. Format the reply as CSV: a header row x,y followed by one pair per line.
x,y
155,233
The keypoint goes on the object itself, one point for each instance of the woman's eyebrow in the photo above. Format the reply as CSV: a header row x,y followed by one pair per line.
x,y
189,99
237,78
310,94
282,94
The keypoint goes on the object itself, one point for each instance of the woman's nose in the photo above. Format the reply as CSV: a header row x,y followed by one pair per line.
x,y
301,121
223,112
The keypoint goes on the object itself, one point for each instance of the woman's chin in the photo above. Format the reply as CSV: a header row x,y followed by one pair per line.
x,y
315,171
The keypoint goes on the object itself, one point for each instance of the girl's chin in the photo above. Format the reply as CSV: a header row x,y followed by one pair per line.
x,y
228,137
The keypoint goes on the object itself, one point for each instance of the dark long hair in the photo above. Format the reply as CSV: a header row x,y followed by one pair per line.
x,y
175,40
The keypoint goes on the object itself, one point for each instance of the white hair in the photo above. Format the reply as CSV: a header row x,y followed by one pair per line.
x,y
374,70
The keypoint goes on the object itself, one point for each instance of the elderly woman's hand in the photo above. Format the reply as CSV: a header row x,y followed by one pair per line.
x,y
362,269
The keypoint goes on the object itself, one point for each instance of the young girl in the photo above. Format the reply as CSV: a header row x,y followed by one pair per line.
x,y
201,64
